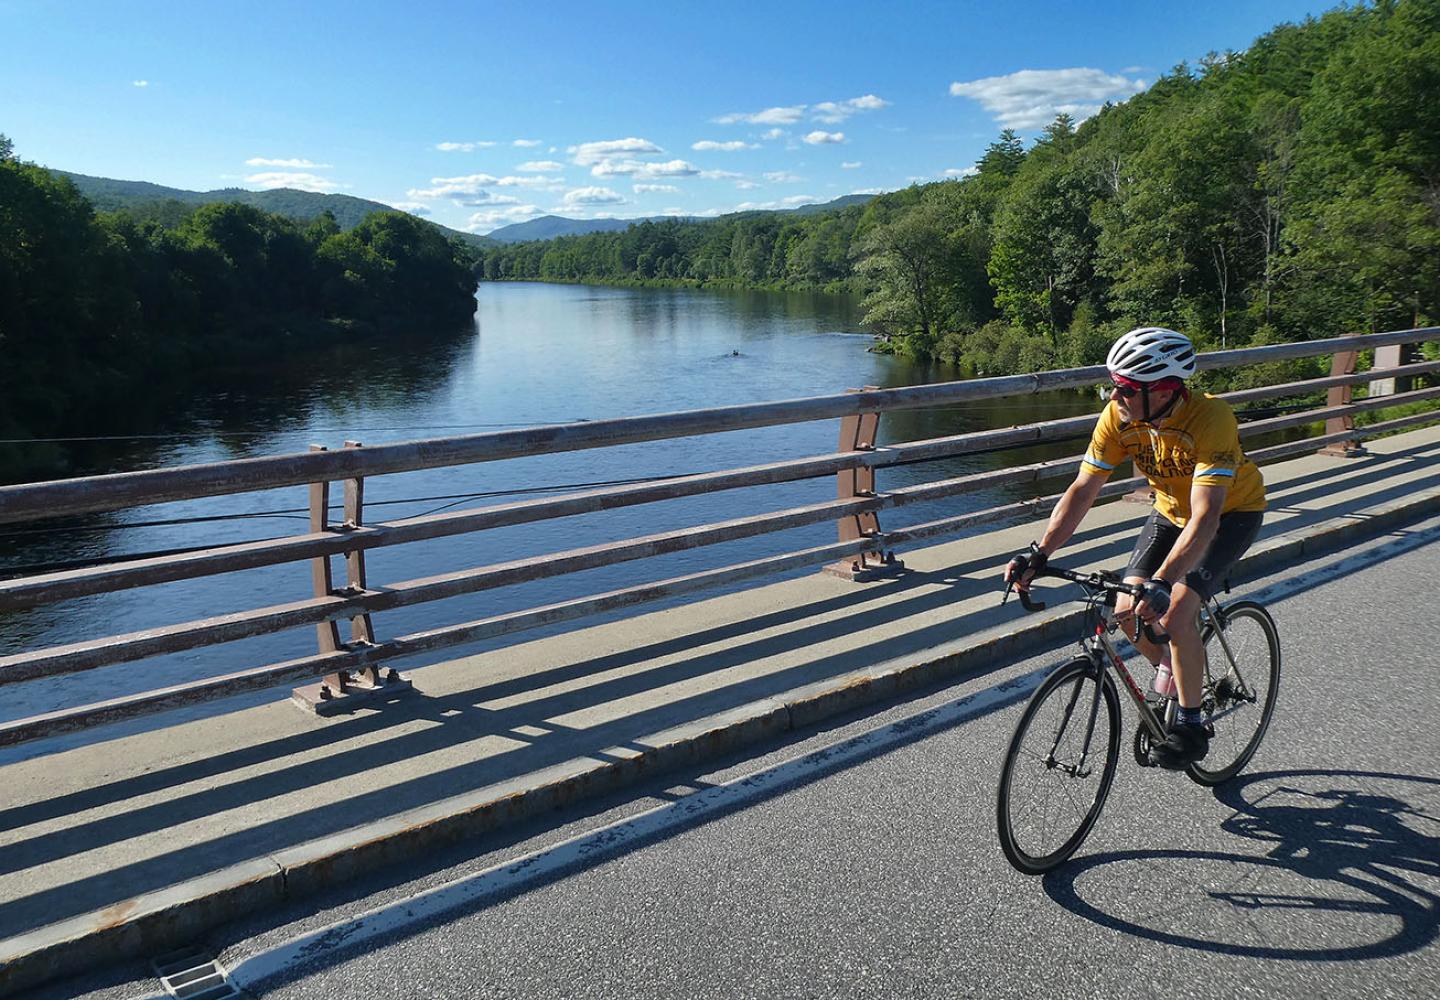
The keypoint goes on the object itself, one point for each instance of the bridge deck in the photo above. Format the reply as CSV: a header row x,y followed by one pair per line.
x,y
209,818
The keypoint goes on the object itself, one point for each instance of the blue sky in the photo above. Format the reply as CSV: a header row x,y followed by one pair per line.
x,y
484,113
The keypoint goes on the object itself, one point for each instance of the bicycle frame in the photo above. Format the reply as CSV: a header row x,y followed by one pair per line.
x,y
1100,590
1101,649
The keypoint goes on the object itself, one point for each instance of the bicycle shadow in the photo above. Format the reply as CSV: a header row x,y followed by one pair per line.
x,y
1346,851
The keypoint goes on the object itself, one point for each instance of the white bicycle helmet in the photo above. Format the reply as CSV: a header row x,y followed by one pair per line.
x,y
1151,353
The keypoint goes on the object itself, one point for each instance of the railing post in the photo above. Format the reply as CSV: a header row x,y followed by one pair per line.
x,y
1343,363
858,433
327,633
361,628
339,691
1394,356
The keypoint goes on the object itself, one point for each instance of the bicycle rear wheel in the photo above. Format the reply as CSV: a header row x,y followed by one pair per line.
x,y
1242,677
1059,767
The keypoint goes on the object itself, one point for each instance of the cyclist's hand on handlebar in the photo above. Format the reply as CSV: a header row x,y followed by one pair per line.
x,y
1154,600
1025,567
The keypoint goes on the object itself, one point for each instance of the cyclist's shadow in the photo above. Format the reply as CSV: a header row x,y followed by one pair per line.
x,y
1346,839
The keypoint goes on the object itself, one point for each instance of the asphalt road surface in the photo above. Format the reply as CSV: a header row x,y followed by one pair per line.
x,y
861,860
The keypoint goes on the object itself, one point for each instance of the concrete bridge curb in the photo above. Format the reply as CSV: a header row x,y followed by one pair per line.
x,y
158,921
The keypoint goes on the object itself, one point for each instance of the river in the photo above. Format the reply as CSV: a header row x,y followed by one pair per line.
x,y
537,354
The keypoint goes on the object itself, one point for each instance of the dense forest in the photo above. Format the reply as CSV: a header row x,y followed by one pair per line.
x,y
97,306
1287,192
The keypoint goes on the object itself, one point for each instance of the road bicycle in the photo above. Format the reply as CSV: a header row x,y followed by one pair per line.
x,y
1066,747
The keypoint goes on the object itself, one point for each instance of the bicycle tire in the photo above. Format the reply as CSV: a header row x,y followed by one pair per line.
x,y
1249,628
1044,714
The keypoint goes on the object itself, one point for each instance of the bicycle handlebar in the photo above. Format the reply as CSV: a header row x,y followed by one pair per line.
x,y
1100,580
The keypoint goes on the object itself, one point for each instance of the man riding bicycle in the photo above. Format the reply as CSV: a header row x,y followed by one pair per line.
x,y
1209,501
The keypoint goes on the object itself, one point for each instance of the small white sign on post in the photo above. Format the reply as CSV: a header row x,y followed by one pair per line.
x,y
1386,357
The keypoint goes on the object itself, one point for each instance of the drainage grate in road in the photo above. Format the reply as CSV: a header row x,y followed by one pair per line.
x,y
193,975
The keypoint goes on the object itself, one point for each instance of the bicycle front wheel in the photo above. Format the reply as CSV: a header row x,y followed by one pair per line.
x,y
1059,767
1242,677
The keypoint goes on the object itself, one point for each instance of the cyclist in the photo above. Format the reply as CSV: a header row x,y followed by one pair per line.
x,y
1209,501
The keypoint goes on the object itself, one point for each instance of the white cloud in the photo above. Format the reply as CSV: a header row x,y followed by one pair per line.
x,y
461,147
541,167
1031,98
820,138
747,185
593,196
959,172
770,116
770,206
527,143
260,161
775,133
413,207
851,165
529,182
709,145
637,168
475,184
486,221
833,112
783,177
721,175
471,184
300,182
139,83
484,198
588,154
655,189
868,191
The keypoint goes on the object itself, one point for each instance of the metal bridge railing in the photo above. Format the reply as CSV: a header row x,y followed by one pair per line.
x,y
355,667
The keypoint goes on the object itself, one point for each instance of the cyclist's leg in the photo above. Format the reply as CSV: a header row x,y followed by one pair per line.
x,y
1235,533
1187,652
1154,544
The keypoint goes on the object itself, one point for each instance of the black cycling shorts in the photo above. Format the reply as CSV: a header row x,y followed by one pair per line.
x,y
1236,532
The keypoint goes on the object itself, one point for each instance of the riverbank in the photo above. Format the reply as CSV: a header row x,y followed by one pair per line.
x,y
838,289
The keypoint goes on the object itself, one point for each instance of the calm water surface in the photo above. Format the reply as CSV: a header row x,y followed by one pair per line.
x,y
537,354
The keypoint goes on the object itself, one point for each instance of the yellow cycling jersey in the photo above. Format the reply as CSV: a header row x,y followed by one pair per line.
x,y
1198,442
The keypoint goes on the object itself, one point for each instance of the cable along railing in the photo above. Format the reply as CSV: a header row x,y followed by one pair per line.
x,y
349,670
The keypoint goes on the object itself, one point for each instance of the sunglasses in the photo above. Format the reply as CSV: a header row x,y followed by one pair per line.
x,y
1106,389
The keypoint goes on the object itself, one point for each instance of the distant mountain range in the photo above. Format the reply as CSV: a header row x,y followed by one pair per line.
x,y
547,227
109,195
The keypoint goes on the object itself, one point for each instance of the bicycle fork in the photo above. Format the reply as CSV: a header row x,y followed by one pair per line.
x,y
1079,769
